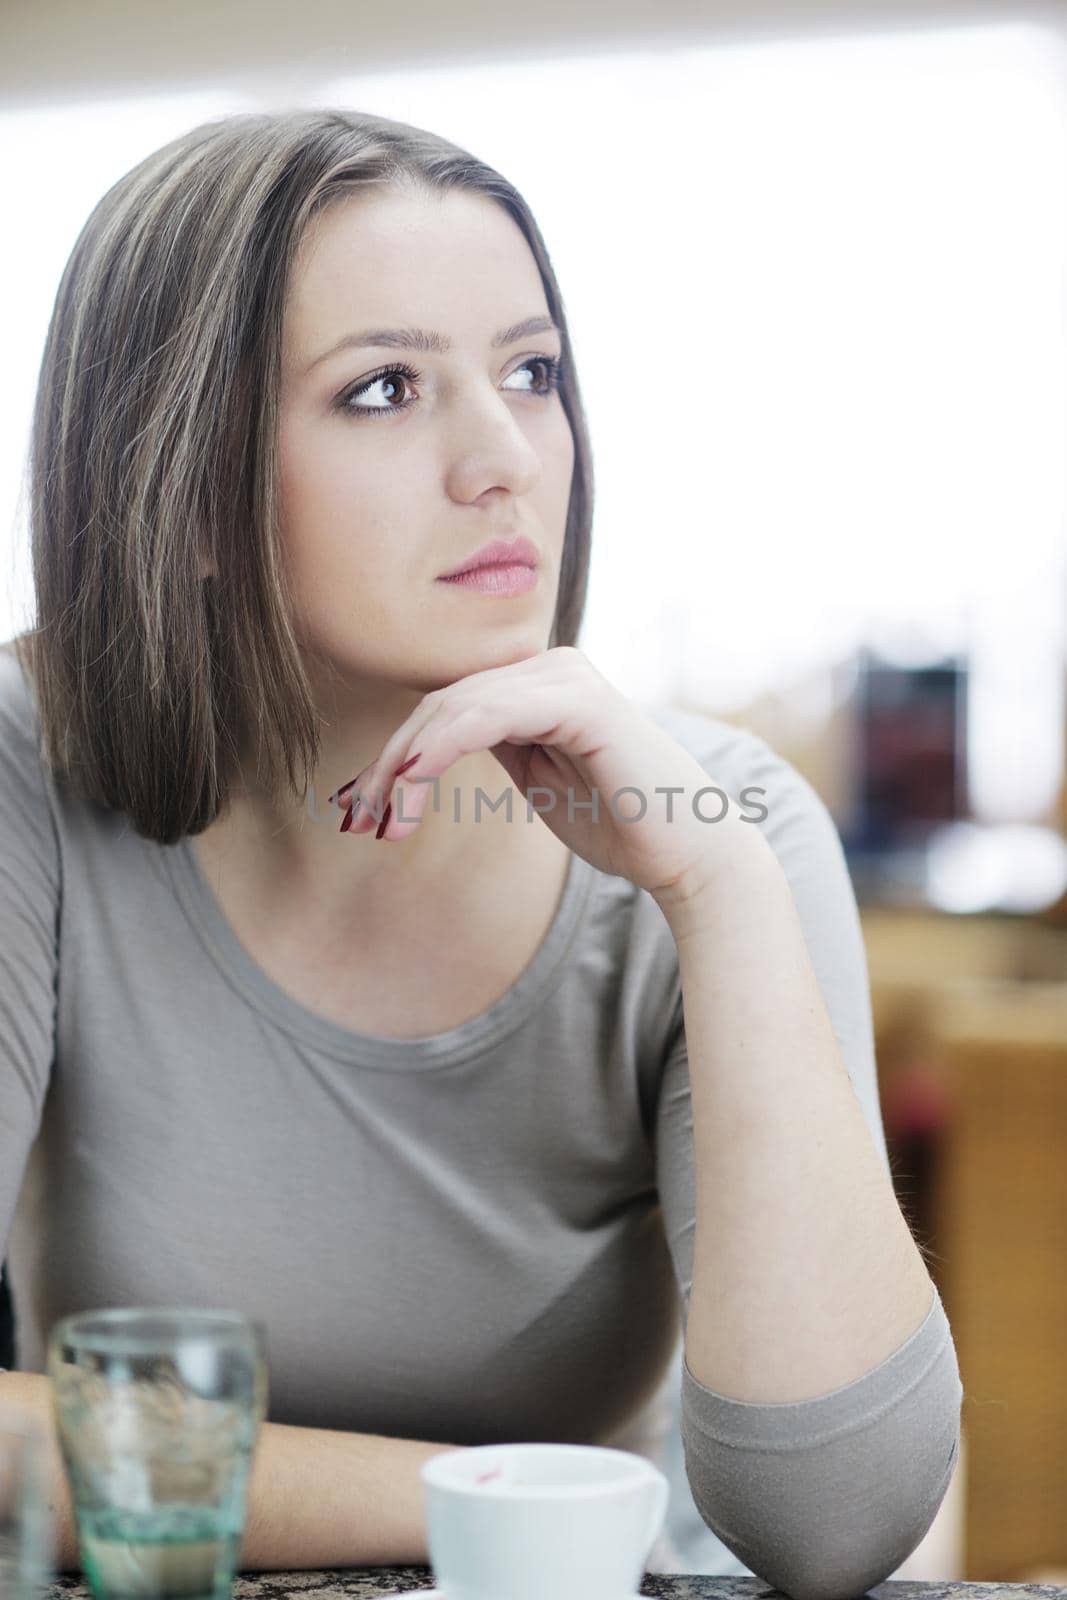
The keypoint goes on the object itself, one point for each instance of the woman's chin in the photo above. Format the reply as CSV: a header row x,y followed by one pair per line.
x,y
498,646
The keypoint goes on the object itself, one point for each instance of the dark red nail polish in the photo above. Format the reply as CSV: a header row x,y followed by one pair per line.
x,y
385,820
410,762
336,796
347,823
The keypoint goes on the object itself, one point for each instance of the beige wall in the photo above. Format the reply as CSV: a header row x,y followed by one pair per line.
x,y
69,49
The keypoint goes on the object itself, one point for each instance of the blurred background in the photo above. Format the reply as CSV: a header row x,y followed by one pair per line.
x,y
813,257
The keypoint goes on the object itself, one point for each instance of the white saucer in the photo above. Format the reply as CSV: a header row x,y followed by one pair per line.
x,y
438,1594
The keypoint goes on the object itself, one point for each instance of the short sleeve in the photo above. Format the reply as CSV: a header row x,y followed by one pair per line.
x,y
29,919
826,1497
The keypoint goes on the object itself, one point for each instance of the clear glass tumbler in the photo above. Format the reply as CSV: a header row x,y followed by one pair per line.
x,y
26,1533
158,1411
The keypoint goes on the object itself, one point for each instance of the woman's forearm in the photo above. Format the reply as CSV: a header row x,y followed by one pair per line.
x,y
320,1498
316,1497
31,1392
805,1272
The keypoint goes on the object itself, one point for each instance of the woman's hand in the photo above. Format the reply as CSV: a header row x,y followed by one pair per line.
x,y
569,741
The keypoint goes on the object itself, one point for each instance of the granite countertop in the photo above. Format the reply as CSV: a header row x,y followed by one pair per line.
x,y
370,1583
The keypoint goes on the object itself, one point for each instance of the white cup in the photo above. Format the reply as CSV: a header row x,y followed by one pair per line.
x,y
541,1521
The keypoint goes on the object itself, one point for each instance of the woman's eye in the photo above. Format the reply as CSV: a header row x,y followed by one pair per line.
x,y
550,367
388,382
392,380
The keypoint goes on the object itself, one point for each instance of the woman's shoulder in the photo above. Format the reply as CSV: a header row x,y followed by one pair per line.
x,y
706,735
801,831
730,752
24,769
28,838
19,728
793,816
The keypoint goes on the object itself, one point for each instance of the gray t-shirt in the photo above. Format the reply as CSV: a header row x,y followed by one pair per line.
x,y
482,1235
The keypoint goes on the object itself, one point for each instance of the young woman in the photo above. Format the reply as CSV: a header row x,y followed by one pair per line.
x,y
547,1045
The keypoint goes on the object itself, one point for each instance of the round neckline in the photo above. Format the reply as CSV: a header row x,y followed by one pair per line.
x,y
308,1027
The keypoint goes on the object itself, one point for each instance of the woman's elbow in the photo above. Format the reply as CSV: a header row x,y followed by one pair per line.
x,y
833,1547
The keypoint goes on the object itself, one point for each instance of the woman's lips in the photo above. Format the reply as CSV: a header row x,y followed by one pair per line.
x,y
498,553
498,580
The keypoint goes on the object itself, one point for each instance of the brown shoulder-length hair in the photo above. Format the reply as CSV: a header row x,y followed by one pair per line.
x,y
152,452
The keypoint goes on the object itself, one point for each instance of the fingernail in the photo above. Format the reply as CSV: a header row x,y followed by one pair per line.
x,y
385,820
347,823
334,799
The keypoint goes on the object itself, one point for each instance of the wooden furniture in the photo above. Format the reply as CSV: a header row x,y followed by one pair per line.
x,y
970,1017
999,1210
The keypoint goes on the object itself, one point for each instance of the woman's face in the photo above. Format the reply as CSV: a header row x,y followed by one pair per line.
x,y
384,490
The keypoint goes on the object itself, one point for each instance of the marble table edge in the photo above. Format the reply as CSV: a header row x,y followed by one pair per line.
x,y
376,1583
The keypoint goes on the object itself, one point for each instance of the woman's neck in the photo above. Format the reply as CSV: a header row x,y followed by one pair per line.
x,y
292,858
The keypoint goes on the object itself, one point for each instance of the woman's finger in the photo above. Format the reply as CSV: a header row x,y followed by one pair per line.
x,y
522,714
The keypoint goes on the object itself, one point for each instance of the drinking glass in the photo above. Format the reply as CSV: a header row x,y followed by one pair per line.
x,y
26,1534
158,1412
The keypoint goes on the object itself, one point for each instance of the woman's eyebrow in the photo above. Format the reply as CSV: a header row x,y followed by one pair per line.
x,y
419,339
